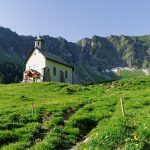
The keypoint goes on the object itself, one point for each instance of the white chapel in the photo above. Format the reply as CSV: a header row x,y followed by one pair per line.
x,y
43,66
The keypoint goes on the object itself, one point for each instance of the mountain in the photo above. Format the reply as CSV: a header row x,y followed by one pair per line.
x,y
90,56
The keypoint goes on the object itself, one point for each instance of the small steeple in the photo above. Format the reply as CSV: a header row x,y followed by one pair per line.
x,y
39,43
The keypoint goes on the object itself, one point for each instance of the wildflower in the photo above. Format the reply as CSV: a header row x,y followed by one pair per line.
x,y
136,145
135,137
145,127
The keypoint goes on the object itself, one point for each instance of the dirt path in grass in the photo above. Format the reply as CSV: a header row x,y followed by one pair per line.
x,y
86,138
43,130
76,147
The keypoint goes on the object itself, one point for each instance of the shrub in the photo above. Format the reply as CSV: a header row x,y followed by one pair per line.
x,y
15,146
8,137
55,121
134,145
14,117
109,135
10,126
54,140
84,123
28,132
143,130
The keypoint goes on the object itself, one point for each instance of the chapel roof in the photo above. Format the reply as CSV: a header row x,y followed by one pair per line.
x,y
55,58
50,56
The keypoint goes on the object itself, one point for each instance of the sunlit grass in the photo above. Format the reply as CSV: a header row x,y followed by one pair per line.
x,y
70,113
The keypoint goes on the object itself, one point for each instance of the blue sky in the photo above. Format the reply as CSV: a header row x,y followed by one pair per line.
x,y
76,19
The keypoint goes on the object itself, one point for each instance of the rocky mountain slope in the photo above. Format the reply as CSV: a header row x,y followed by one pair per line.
x,y
90,56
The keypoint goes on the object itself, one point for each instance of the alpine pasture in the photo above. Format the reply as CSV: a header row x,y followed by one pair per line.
x,y
45,116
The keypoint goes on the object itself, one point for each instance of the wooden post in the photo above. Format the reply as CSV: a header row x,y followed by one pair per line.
x,y
32,108
122,107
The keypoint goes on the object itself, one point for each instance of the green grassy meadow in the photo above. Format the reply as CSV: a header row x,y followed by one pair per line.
x,y
59,116
125,74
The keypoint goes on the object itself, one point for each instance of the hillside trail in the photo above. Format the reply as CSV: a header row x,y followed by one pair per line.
x,y
76,147
43,130
85,139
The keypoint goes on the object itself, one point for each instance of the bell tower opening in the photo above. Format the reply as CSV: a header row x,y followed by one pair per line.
x,y
39,43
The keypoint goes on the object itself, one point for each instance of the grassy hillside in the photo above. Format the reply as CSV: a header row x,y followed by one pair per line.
x,y
82,117
125,74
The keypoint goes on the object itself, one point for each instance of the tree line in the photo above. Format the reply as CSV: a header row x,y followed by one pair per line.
x,y
10,73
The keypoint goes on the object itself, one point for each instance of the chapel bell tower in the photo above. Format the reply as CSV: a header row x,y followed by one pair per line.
x,y
39,43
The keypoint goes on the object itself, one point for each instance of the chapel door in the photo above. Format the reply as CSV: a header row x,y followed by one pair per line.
x,y
46,74
62,77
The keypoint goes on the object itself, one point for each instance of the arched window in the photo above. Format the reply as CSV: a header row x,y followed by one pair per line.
x,y
54,71
66,74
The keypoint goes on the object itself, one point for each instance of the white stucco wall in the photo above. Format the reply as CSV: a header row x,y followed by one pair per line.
x,y
59,67
36,61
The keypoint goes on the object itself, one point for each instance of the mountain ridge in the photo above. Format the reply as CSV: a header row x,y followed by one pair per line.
x,y
90,56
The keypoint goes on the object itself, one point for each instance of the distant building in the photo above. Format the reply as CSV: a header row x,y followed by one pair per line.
x,y
44,66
